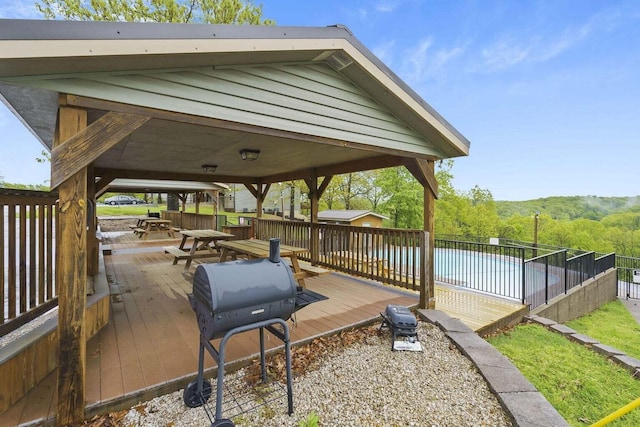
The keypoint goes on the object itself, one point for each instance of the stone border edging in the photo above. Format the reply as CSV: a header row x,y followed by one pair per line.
x,y
524,404
620,357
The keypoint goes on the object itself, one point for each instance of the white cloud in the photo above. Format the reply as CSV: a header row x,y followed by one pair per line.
x,y
385,52
19,9
510,51
386,6
423,61
504,54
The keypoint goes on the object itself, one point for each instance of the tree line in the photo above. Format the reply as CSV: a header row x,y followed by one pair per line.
x,y
601,224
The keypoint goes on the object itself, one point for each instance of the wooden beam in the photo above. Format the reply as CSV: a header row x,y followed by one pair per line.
x,y
253,190
371,163
325,183
427,299
93,245
314,195
81,149
265,191
103,184
71,277
422,170
168,176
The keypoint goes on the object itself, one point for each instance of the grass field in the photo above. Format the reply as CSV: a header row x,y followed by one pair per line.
x,y
581,384
613,325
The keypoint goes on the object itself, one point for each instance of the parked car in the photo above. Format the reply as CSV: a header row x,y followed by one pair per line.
x,y
123,199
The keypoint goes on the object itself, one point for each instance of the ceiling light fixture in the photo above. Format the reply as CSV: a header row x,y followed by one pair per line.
x,y
209,168
248,154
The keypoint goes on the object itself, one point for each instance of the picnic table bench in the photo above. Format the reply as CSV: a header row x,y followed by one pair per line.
x,y
202,240
154,225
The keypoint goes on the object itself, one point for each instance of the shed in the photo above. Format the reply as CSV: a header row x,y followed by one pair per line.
x,y
186,102
362,218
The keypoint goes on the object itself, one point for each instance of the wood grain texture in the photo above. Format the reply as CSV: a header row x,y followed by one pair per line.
x,y
71,274
80,149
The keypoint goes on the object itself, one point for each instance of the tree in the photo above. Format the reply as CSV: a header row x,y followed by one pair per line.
x,y
185,11
373,193
403,197
351,187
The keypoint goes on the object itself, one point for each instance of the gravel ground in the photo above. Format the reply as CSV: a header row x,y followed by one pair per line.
x,y
362,384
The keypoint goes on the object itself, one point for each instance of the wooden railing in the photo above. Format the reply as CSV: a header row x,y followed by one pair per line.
x,y
391,256
27,256
194,221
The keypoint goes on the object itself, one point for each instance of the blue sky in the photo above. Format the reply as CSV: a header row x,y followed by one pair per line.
x,y
548,92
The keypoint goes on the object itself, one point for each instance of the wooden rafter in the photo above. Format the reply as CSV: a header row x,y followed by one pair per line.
x,y
371,163
160,175
77,152
423,172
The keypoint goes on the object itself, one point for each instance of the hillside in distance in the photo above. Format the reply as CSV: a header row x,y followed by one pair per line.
x,y
570,207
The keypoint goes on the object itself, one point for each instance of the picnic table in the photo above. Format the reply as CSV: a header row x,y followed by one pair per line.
x,y
202,240
255,248
154,225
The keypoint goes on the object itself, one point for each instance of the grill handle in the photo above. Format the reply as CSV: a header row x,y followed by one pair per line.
x,y
274,250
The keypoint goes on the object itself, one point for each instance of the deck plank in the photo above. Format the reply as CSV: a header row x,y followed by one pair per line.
x,y
152,336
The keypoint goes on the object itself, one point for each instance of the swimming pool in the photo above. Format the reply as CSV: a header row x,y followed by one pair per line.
x,y
497,273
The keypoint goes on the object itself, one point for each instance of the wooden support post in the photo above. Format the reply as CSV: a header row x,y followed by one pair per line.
x,y
71,277
427,299
424,172
93,245
315,236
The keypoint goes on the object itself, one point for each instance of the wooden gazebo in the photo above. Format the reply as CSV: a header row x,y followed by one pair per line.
x,y
178,101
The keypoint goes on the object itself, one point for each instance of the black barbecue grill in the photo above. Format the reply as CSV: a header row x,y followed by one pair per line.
x,y
401,321
238,296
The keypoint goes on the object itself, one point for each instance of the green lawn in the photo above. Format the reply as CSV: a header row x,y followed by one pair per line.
x,y
137,210
613,325
581,384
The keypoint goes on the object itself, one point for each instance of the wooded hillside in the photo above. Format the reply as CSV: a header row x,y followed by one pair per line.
x,y
574,207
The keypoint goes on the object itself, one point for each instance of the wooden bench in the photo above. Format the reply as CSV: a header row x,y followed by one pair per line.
x,y
179,254
176,252
140,231
308,269
313,270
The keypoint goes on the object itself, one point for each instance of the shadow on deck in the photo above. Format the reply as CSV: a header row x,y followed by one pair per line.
x,y
150,345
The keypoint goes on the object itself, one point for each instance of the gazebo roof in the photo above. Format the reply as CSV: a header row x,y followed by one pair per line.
x,y
164,186
313,101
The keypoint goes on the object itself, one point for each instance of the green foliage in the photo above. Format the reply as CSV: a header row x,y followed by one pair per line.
x,y
32,187
567,208
199,11
403,197
582,385
312,420
613,325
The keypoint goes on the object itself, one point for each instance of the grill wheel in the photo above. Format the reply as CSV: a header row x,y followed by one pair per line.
x,y
191,396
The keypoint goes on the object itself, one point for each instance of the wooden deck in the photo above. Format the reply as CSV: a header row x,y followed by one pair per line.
x,y
150,345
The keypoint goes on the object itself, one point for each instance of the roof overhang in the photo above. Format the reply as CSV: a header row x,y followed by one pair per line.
x,y
61,51
163,186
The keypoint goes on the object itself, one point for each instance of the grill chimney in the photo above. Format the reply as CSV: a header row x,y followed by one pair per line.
x,y
274,250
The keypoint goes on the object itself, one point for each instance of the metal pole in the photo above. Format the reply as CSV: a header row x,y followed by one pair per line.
x,y
535,234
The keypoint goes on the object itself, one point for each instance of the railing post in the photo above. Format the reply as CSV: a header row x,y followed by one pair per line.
x,y
425,291
546,280
523,267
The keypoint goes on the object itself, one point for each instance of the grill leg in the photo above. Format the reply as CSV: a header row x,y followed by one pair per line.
x,y
263,357
200,368
220,380
287,349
